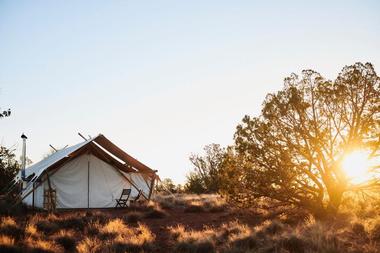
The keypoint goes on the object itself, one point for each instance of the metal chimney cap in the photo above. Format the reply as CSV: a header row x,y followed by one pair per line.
x,y
23,136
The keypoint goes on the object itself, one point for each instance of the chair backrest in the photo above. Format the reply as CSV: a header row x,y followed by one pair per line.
x,y
125,192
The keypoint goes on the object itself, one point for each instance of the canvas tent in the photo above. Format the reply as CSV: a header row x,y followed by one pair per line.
x,y
91,174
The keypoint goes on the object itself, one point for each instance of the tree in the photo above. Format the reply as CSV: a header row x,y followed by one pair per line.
x,y
293,151
8,167
166,185
195,183
205,175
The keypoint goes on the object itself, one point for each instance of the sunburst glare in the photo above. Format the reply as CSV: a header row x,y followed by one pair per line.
x,y
356,165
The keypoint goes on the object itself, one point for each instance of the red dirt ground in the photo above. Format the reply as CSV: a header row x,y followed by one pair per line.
x,y
195,221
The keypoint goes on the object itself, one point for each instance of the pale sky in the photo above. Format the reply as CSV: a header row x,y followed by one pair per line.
x,y
161,79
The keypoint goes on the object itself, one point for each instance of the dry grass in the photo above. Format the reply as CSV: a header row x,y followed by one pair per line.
x,y
356,229
193,203
134,217
6,240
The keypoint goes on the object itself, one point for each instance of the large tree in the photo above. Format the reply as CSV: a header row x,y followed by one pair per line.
x,y
293,151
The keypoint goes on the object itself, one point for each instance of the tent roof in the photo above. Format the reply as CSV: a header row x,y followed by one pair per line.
x,y
101,145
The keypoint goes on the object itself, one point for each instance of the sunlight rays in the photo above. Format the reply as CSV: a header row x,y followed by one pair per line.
x,y
357,165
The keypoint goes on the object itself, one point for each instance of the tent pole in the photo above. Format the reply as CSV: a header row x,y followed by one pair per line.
x,y
88,182
51,207
33,198
151,187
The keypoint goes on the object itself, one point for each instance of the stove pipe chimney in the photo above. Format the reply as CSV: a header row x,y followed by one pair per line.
x,y
23,161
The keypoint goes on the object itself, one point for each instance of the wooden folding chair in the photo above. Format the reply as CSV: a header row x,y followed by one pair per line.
x,y
123,200
137,197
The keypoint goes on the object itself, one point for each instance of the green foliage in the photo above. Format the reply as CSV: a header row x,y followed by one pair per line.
x,y
205,177
292,152
194,183
8,166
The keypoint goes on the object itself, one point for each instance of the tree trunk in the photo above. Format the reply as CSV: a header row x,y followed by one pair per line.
x,y
334,201
317,209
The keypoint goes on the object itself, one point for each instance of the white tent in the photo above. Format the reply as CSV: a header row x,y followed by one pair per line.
x,y
91,174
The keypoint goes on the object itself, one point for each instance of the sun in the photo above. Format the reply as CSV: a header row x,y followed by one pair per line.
x,y
356,165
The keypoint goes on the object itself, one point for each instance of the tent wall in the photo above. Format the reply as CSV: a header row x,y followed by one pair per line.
x,y
87,182
106,184
71,183
38,197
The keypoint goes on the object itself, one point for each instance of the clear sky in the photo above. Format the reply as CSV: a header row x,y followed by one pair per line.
x,y
162,79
